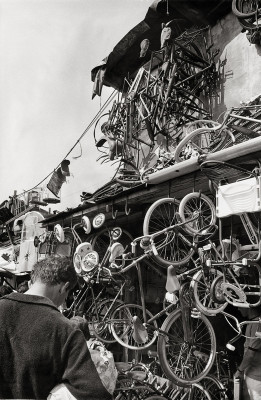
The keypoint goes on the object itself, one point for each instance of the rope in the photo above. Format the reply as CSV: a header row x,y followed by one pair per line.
x,y
107,102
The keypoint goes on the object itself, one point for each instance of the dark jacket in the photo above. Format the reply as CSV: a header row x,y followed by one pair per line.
x,y
39,348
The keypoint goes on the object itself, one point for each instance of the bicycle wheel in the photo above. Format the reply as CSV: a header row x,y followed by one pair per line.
x,y
215,388
194,203
195,391
175,246
202,141
186,362
245,9
101,241
122,327
100,322
201,285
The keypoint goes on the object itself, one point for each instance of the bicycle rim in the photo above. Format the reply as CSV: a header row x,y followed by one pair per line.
x,y
182,362
194,203
201,286
122,326
174,248
215,388
202,141
100,325
243,9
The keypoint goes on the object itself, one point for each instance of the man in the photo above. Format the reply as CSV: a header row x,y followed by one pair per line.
x,y
39,347
250,366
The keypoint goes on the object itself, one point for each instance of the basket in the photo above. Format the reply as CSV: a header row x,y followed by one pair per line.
x,y
239,197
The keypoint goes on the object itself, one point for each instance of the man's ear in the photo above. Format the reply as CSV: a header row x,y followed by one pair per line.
x,y
65,287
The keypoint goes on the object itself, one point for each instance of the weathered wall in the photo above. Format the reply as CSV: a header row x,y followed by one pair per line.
x,y
239,65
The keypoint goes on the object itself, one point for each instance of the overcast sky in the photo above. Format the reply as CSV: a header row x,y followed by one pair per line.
x,y
48,48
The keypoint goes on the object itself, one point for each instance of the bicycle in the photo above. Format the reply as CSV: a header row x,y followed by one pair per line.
x,y
225,277
97,306
135,384
210,136
134,327
156,107
171,241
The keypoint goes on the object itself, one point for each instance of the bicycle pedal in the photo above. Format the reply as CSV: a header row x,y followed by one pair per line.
x,y
195,313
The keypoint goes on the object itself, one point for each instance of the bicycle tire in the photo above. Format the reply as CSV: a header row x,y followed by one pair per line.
x,y
200,203
101,328
173,352
237,10
205,140
215,388
201,287
173,249
122,326
195,392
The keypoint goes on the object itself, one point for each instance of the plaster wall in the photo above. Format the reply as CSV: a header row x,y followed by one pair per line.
x,y
238,63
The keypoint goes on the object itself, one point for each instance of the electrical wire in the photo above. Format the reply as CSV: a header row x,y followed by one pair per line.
x,y
107,102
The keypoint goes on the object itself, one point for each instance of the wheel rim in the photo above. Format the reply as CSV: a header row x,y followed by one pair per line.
x,y
200,206
122,326
202,285
173,247
186,362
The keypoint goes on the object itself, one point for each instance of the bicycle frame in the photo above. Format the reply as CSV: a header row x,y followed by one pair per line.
x,y
151,248
238,329
227,270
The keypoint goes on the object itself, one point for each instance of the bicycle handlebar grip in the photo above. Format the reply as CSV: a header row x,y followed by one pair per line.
x,y
154,250
230,347
133,247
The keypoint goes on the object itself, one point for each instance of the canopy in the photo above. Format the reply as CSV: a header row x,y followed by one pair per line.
x,y
125,60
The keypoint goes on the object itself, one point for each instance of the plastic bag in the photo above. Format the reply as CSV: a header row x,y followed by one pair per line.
x,y
104,363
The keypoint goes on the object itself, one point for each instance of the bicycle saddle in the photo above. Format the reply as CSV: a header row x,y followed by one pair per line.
x,y
117,250
140,334
172,284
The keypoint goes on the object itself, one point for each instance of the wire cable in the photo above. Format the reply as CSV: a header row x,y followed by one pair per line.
x,y
107,102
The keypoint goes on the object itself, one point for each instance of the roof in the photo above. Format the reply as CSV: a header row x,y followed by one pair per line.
x,y
124,60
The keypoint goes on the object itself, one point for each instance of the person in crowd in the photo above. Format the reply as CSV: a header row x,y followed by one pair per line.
x,y
39,346
249,369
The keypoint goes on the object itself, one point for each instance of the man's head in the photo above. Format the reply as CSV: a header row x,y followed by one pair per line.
x,y
56,276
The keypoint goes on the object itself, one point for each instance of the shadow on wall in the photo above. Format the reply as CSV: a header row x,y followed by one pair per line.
x,y
238,65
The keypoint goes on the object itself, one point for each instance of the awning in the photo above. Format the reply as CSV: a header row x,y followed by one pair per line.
x,y
125,60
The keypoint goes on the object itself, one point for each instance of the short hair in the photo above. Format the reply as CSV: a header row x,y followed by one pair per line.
x,y
53,270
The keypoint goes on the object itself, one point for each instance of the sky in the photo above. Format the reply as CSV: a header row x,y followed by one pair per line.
x,y
48,49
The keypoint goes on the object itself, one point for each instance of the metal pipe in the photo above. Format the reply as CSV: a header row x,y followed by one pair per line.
x,y
191,165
